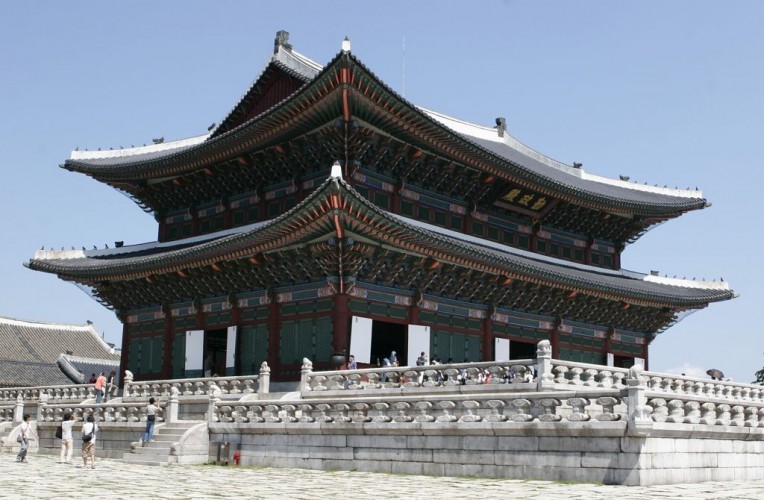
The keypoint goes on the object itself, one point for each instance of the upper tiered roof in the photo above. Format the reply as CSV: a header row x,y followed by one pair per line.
x,y
290,112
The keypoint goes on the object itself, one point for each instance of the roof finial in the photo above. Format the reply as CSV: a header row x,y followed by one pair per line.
x,y
282,40
346,45
501,125
336,170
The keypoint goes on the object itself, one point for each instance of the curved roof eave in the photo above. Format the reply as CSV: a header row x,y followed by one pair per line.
x,y
623,284
536,168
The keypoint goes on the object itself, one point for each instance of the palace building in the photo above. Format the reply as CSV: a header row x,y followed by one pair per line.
x,y
326,214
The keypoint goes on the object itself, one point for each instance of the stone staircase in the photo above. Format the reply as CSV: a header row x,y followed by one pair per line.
x,y
158,451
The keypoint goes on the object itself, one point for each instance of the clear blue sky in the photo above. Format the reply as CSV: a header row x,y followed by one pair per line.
x,y
668,93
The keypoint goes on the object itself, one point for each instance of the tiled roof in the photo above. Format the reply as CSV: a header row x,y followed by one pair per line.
x,y
511,157
25,344
530,265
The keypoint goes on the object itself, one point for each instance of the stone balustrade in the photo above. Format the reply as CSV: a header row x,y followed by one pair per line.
x,y
511,408
568,375
459,377
7,413
74,393
232,387
106,412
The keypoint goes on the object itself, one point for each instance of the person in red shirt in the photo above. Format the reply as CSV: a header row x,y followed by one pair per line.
x,y
99,387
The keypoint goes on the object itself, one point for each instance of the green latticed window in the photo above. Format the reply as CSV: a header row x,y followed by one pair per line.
x,y
306,338
455,346
145,355
179,355
254,348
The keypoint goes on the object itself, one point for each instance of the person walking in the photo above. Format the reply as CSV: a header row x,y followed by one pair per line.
x,y
24,436
67,441
151,415
89,430
100,385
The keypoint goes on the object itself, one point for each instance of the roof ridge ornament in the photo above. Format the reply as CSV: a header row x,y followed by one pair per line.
x,y
282,40
346,45
336,170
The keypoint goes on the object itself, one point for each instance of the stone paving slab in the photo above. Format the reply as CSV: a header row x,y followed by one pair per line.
x,y
44,477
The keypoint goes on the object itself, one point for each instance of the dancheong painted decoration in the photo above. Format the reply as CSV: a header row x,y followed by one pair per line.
x,y
326,215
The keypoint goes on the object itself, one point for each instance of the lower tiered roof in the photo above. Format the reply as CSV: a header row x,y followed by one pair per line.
x,y
335,234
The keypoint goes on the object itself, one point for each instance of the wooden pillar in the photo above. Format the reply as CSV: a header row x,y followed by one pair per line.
x,y
125,352
235,321
588,250
617,256
644,355
341,324
274,337
554,339
414,311
488,338
166,372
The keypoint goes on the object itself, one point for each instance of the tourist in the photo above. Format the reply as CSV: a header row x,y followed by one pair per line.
x,y
422,359
385,364
93,378
100,385
67,442
24,437
393,359
151,416
89,430
352,364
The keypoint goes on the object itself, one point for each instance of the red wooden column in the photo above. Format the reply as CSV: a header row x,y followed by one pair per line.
x,y
168,341
341,324
554,339
125,352
274,337
488,338
235,320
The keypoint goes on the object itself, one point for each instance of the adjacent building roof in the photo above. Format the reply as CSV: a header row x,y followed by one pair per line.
x,y
30,352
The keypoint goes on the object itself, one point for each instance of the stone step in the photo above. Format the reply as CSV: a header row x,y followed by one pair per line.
x,y
156,460
152,450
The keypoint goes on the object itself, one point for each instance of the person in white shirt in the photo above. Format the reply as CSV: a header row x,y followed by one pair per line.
x,y
89,430
151,415
67,442
25,435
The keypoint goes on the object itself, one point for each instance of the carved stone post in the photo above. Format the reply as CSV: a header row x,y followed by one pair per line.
x,y
544,377
128,380
172,406
18,412
307,367
640,423
264,383
211,411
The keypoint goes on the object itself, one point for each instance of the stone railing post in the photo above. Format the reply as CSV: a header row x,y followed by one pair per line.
x,y
18,411
307,367
171,415
211,411
41,405
640,422
127,391
544,376
264,382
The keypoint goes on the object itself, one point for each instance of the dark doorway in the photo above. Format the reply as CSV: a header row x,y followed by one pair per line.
x,y
623,361
521,350
385,338
214,352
